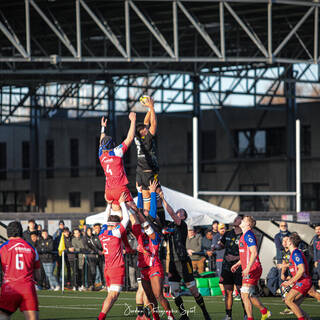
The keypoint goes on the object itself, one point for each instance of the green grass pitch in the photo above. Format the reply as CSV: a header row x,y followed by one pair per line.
x,y
87,305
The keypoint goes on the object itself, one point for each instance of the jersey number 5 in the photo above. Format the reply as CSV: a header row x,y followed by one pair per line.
x,y
108,170
19,263
105,248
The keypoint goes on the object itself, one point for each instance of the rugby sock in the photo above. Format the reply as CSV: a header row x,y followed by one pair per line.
x,y
223,292
179,303
229,312
140,309
250,318
169,314
264,311
200,302
302,318
102,316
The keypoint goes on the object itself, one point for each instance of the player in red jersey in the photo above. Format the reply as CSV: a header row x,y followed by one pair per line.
x,y
111,160
19,261
114,270
148,254
301,281
251,269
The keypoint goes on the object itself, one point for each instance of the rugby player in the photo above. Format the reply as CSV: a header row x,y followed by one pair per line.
x,y
111,160
300,282
19,262
147,163
149,263
230,241
251,269
114,269
180,266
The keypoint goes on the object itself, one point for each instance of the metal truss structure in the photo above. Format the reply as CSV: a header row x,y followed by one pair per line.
x,y
67,54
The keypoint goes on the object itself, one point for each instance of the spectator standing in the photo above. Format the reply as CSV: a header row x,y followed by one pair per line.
x,y
215,227
316,252
32,227
45,250
56,241
193,245
206,246
70,258
219,253
97,243
278,241
79,249
92,257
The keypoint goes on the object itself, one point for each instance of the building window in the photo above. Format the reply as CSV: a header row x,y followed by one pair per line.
x,y
310,197
306,141
251,143
50,158
254,203
99,200
74,199
3,160
99,170
25,160
74,157
208,150
276,142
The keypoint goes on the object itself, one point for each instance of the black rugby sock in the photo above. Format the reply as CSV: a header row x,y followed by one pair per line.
x,y
200,302
179,303
229,312
140,309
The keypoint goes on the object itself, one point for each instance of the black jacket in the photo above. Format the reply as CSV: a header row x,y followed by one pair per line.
x,y
26,235
45,248
68,244
92,245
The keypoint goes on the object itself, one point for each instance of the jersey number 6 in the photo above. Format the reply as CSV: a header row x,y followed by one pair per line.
x,y
19,263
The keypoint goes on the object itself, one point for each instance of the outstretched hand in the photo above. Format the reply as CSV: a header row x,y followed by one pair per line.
x,y
153,186
104,122
132,116
147,101
123,197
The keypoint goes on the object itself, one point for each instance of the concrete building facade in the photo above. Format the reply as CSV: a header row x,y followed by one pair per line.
x,y
252,155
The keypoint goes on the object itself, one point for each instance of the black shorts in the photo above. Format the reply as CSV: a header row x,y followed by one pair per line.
x,y
231,278
144,178
180,270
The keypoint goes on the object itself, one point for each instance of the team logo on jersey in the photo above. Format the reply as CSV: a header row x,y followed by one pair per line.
x,y
241,245
297,259
250,240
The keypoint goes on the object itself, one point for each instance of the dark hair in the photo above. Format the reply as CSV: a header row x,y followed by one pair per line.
x,y
33,232
140,126
215,222
61,222
107,143
208,230
295,239
66,229
44,230
317,225
185,213
14,229
114,218
241,216
97,224
32,220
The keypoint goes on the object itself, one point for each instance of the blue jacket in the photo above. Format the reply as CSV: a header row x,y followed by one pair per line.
x,y
278,242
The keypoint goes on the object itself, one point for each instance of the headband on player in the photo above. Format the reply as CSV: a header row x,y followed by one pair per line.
x,y
107,143
110,223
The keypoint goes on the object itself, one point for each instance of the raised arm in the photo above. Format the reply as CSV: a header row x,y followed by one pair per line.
x,y
153,203
132,129
124,209
171,212
149,103
103,128
107,212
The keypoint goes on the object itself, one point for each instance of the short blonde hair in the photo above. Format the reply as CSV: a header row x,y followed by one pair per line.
x,y
251,220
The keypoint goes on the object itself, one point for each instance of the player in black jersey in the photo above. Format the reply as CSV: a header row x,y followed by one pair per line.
x,y
147,162
180,266
230,241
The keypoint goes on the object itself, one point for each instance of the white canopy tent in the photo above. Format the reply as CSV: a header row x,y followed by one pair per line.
x,y
199,212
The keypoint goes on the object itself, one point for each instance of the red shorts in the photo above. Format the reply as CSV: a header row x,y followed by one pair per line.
x,y
114,194
155,271
114,276
15,295
253,277
303,286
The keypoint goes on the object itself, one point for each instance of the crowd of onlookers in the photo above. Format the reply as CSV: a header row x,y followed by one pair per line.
x,y
84,260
